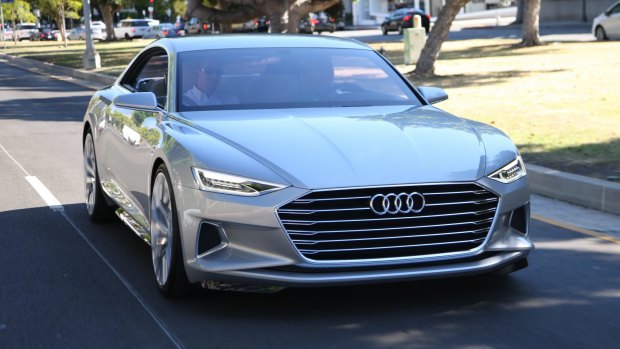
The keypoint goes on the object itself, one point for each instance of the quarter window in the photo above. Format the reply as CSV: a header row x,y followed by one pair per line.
x,y
150,75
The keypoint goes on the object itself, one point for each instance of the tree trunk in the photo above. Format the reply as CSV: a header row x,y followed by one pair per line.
x,y
520,6
63,32
107,12
14,31
530,23
294,17
426,64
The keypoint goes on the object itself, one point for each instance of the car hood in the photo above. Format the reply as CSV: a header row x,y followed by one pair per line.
x,y
349,147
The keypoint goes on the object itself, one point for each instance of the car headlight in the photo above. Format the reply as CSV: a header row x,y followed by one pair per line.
x,y
231,184
510,172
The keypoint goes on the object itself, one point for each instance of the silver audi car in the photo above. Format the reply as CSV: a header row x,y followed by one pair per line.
x,y
281,160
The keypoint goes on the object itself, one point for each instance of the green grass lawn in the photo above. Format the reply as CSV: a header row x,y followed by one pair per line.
x,y
114,55
559,102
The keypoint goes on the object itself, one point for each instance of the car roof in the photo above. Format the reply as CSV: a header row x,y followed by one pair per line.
x,y
226,41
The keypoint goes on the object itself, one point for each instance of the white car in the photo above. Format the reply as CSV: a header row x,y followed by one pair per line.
x,y
79,33
8,34
607,24
23,30
133,28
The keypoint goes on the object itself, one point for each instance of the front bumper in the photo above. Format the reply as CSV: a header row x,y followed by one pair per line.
x,y
255,249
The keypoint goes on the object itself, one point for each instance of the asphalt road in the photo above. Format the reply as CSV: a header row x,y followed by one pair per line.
x,y
68,283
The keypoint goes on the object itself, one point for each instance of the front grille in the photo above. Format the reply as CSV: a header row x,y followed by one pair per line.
x,y
338,225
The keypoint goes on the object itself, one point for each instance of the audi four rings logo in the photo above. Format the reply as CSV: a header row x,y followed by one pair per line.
x,y
397,203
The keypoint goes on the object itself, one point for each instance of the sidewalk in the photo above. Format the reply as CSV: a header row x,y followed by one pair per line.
x,y
587,202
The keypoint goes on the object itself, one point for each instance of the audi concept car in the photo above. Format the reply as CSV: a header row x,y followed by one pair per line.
x,y
285,160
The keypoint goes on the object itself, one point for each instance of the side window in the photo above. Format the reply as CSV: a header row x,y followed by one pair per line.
x,y
615,9
149,74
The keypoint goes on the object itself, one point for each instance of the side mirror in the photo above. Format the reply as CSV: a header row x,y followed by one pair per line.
x,y
433,94
137,100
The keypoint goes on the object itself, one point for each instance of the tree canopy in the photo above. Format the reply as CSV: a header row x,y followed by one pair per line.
x,y
284,15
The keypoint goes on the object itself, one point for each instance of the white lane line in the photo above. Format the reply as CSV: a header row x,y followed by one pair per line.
x,y
44,193
177,343
15,161
55,205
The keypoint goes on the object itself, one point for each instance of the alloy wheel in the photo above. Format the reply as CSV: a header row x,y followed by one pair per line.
x,y
161,229
90,174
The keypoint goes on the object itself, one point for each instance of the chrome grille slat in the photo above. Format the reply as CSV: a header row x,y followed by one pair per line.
x,y
339,225
310,232
304,201
391,247
311,242
384,219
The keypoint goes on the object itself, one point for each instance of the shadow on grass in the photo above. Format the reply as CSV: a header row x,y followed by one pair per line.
x,y
500,50
503,50
598,160
487,78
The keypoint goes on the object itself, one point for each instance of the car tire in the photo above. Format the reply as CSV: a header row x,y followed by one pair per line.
x,y
400,29
384,30
127,37
95,198
157,37
166,252
600,34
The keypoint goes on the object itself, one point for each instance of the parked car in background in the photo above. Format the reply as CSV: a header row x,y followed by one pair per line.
x,y
23,30
76,34
317,23
44,35
257,25
259,184
402,19
8,33
129,29
79,33
162,30
197,26
607,24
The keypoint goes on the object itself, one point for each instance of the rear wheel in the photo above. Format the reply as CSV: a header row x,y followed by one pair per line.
x,y
127,37
96,205
600,34
165,239
384,30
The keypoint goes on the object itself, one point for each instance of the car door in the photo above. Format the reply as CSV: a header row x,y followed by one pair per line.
x,y
132,135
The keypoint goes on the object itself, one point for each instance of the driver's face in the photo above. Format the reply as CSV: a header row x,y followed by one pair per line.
x,y
208,77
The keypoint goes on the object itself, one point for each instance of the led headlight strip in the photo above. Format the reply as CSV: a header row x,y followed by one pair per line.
x,y
231,184
511,172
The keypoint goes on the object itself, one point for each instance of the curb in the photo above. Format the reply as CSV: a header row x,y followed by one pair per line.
x,y
56,70
576,189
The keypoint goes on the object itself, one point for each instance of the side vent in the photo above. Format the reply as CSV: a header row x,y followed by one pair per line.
x,y
518,220
208,238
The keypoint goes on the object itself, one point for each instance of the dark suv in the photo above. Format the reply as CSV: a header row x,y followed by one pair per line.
x,y
403,18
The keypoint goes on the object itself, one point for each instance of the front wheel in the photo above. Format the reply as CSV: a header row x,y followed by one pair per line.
x,y
165,239
600,34
96,205
400,29
384,30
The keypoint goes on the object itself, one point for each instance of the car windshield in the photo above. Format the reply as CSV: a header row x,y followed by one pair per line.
x,y
252,78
